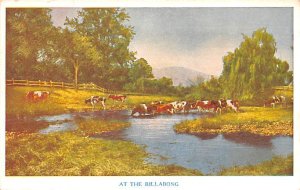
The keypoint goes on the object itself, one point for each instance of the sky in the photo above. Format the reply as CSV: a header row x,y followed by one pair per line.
x,y
198,38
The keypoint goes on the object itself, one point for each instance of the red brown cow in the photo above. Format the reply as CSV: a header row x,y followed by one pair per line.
x,y
165,108
143,109
37,95
117,97
207,105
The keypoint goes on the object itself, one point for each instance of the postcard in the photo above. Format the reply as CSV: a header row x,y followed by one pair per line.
x,y
115,95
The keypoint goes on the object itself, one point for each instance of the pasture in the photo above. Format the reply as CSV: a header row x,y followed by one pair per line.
x,y
75,153
66,100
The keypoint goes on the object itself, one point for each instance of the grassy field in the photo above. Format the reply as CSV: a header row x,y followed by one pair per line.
x,y
275,166
255,120
75,154
65,100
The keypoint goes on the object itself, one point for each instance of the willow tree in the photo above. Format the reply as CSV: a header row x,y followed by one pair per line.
x,y
252,69
110,34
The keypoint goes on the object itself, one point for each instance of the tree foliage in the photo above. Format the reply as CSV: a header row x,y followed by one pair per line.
x,y
111,37
253,69
30,43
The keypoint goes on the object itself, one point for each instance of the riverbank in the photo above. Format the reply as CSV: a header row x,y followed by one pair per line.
x,y
65,100
67,154
74,153
278,165
252,120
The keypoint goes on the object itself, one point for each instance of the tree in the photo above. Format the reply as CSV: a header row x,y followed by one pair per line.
x,y
252,69
78,51
29,42
111,37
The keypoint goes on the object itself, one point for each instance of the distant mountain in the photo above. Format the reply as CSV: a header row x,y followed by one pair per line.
x,y
180,75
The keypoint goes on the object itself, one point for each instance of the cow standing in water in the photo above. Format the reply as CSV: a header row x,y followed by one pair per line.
x,y
94,100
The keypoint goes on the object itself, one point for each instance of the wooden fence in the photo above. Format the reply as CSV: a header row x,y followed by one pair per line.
x,y
87,86
288,88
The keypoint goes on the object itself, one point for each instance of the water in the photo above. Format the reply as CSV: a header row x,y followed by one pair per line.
x,y
207,153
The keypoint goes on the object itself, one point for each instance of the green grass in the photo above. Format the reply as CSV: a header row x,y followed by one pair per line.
x,y
65,100
256,120
66,154
89,127
276,166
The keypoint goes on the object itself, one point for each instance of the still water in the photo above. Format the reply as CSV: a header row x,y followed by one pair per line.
x,y
207,153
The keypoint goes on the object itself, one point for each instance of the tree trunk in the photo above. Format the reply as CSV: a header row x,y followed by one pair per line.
x,y
76,76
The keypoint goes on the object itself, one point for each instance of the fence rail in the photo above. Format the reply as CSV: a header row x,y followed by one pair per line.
x,y
283,88
87,86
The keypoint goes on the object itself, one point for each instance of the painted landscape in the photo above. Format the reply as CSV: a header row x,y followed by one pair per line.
x,y
149,92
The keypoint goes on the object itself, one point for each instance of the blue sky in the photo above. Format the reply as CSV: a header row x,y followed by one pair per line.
x,y
198,38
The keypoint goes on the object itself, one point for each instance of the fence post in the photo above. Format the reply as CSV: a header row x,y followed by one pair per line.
x,y
13,81
62,84
27,83
39,82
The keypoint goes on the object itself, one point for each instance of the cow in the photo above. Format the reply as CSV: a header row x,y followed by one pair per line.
x,y
233,104
141,109
165,108
270,102
93,100
119,97
207,105
275,100
37,95
280,99
181,106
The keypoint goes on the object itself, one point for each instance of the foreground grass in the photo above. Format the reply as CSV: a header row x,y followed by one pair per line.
x,y
66,154
65,100
276,166
254,120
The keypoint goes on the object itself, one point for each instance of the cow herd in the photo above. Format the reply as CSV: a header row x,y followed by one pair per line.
x,y
159,107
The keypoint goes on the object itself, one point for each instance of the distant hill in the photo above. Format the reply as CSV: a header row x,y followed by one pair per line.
x,y
180,75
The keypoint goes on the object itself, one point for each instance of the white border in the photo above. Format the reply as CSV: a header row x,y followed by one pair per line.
x,y
103,183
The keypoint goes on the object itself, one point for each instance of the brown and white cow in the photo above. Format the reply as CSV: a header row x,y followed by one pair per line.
x,y
233,104
93,100
37,95
143,109
275,100
207,105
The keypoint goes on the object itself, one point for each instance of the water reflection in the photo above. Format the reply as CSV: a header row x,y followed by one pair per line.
x,y
250,139
205,136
